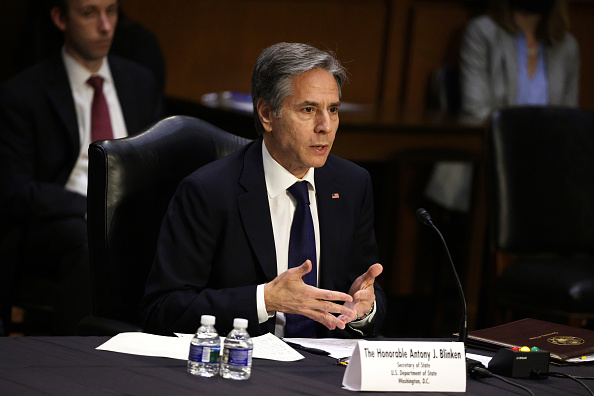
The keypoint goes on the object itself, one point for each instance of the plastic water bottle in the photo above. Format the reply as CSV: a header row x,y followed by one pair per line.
x,y
205,349
236,362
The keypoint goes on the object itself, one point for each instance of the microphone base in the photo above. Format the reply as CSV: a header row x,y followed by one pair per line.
x,y
518,364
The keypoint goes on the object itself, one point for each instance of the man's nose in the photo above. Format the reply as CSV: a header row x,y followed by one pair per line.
x,y
323,122
105,22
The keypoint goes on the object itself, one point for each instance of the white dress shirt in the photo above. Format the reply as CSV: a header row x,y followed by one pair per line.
x,y
82,93
282,209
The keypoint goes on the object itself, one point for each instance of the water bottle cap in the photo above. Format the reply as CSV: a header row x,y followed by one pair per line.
x,y
207,320
240,323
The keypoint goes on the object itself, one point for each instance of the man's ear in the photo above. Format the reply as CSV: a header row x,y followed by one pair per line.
x,y
265,114
58,18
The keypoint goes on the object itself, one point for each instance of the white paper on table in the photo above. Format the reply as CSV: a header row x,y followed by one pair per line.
x,y
269,346
137,343
583,359
266,346
337,347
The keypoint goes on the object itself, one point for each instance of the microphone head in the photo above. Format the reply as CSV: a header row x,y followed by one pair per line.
x,y
424,216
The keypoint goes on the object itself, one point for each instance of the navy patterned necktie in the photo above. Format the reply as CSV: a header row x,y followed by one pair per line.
x,y
302,246
100,121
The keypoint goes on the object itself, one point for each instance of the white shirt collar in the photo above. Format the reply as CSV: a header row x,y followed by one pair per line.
x,y
78,74
278,179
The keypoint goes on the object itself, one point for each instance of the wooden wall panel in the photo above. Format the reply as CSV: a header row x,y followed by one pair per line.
x,y
581,15
211,45
389,46
435,33
396,44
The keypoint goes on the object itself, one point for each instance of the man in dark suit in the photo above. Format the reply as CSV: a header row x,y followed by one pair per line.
x,y
225,243
45,131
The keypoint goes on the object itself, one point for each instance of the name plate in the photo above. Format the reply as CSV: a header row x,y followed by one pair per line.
x,y
407,366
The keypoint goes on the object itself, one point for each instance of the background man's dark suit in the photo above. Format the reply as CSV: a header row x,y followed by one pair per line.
x,y
217,245
39,145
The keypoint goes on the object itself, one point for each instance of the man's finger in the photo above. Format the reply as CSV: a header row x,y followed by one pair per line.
x,y
366,280
331,321
374,271
302,270
330,307
347,318
331,295
305,268
364,295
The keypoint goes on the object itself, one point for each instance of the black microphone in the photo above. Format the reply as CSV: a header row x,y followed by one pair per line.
x,y
425,218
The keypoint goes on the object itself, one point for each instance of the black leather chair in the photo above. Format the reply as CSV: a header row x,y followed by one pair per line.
x,y
541,193
444,94
131,182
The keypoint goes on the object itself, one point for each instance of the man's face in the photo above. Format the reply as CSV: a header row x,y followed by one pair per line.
x,y
303,135
88,28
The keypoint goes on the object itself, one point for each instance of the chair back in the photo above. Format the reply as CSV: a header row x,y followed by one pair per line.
x,y
444,94
131,182
541,179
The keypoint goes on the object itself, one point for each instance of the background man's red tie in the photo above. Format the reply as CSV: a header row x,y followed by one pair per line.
x,y
100,121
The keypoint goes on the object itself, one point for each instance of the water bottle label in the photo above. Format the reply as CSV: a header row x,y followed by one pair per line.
x,y
203,354
237,357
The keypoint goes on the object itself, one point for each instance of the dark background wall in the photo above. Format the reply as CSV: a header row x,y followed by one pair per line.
x,y
389,46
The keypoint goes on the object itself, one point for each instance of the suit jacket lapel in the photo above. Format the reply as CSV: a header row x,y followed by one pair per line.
x,y
60,96
329,216
255,211
255,214
126,95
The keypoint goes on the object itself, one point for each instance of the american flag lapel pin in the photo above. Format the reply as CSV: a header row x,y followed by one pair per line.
x,y
335,196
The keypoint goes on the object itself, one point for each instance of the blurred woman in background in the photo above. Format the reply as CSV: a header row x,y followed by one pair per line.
x,y
519,53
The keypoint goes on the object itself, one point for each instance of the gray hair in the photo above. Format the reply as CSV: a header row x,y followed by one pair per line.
x,y
278,64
